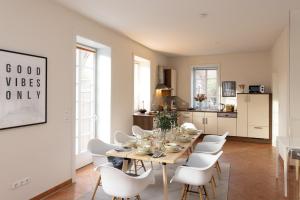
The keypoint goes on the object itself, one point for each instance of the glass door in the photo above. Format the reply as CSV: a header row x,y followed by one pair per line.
x,y
85,102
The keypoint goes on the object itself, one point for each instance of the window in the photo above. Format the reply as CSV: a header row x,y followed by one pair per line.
x,y
141,83
85,96
206,81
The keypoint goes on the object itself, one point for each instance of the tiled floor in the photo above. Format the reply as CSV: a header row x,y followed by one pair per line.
x,y
252,175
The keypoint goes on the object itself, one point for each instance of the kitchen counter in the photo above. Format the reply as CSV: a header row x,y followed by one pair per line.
x,y
204,110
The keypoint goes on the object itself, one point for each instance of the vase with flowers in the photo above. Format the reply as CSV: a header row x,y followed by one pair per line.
x,y
199,98
166,121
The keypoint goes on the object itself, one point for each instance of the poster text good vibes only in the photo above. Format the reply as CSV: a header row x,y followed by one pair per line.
x,y
21,82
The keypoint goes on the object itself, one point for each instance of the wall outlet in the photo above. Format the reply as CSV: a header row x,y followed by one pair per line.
x,y
20,183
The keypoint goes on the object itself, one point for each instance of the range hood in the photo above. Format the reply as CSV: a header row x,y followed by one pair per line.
x,y
161,79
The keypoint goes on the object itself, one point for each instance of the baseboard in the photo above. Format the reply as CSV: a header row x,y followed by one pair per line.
x,y
52,190
246,139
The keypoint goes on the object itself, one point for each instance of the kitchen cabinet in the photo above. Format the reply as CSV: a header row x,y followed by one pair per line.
x,y
170,80
198,120
227,123
206,121
144,121
242,119
254,115
211,123
185,117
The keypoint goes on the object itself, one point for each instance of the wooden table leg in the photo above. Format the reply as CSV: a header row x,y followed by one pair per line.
x,y
285,174
165,181
125,165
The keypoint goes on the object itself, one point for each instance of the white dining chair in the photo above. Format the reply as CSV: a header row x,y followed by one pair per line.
x,y
197,172
98,150
120,139
120,185
215,138
211,148
139,132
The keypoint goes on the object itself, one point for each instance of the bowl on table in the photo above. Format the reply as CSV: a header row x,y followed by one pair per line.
x,y
130,143
184,138
143,150
191,131
172,147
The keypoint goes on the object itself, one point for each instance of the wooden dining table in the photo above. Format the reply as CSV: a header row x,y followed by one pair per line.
x,y
168,158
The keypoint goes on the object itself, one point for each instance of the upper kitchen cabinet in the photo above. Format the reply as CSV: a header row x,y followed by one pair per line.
x,y
170,80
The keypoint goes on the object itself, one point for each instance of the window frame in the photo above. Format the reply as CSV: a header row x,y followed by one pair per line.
x,y
87,48
139,61
193,81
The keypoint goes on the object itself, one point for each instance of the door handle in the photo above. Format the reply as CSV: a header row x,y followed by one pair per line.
x,y
203,120
258,127
206,120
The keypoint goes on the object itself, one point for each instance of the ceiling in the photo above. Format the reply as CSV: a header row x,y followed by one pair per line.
x,y
178,27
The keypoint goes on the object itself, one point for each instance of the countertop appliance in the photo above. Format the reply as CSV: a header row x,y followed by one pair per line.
x,y
254,89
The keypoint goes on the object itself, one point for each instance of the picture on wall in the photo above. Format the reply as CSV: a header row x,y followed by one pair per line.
x,y
23,89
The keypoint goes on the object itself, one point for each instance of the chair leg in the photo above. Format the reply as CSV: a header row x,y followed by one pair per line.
x,y
135,167
205,192
184,191
96,187
214,181
143,166
218,172
213,188
200,193
218,166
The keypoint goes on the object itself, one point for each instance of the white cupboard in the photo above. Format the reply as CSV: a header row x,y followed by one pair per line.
x,y
206,121
242,118
211,123
198,120
227,124
253,115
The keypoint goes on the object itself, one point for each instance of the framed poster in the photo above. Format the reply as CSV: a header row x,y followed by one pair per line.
x,y
228,89
23,89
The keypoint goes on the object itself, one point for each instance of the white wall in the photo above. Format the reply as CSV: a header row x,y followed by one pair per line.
x,y
43,152
246,68
280,84
294,74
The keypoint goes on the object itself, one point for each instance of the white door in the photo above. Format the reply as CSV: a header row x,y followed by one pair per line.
x,y
198,120
211,123
85,103
242,115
